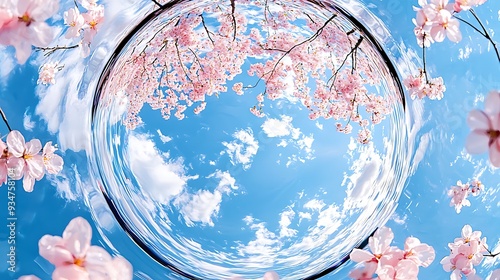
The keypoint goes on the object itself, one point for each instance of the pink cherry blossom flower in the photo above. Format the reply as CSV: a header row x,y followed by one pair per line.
x,y
365,272
271,275
465,5
53,163
404,270
444,25
30,27
420,253
476,187
25,161
75,258
485,127
4,156
93,20
75,21
379,245
459,195
47,73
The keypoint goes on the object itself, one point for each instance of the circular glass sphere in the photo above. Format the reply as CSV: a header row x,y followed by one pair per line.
x,y
236,137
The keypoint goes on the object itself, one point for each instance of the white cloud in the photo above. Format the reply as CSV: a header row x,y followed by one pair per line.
x,y
286,218
204,204
304,216
226,182
199,207
27,122
315,205
275,128
278,128
243,148
318,125
8,64
163,138
161,177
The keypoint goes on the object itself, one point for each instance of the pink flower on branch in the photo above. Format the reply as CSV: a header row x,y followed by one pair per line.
x,y
74,257
389,262
21,159
27,26
485,127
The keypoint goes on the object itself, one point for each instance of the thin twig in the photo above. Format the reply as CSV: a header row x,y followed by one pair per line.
x,y
50,50
5,119
159,5
486,34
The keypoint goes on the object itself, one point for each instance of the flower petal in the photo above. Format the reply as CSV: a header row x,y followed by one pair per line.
x,y
77,236
359,256
28,183
492,103
33,147
478,120
495,155
15,168
50,248
35,167
16,143
70,272
477,142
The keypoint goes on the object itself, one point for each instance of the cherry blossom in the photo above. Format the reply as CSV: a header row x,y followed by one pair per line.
x,y
389,262
25,160
271,275
485,126
4,168
465,253
186,62
21,159
75,21
47,74
445,25
27,26
419,86
74,257
53,163
459,194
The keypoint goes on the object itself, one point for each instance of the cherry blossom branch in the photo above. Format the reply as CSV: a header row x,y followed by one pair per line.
x,y
312,38
486,34
5,119
206,29
233,8
490,254
50,50
484,31
157,3
424,61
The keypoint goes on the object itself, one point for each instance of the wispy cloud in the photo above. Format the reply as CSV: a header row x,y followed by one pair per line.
x,y
204,205
27,122
242,149
163,138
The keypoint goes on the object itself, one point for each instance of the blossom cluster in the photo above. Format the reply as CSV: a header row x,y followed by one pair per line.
x,y
465,253
22,25
329,72
74,257
419,86
84,25
390,262
21,159
47,73
435,20
461,192
485,126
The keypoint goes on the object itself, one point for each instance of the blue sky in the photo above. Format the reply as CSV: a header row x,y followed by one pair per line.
x,y
230,190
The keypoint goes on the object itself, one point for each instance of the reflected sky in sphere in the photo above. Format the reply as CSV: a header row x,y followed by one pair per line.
x,y
224,192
